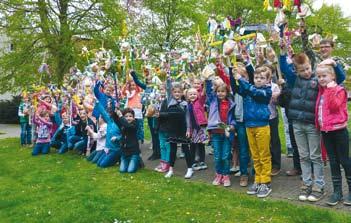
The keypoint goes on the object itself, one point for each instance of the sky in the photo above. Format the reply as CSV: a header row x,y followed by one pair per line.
x,y
344,4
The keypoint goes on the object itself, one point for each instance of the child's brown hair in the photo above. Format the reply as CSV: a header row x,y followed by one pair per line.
x,y
264,70
300,58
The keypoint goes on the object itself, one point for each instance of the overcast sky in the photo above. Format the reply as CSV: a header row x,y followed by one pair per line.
x,y
344,4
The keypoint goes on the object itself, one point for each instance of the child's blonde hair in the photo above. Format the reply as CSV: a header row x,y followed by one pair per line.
x,y
326,68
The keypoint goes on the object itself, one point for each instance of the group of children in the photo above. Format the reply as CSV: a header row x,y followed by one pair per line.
x,y
229,107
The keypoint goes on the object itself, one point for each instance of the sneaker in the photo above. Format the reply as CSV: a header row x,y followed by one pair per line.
x,y
293,172
159,167
334,199
264,191
275,172
238,174
253,189
217,180
165,168
316,194
305,192
196,166
189,173
290,153
347,200
244,180
234,169
169,174
226,181
211,152
203,166
181,155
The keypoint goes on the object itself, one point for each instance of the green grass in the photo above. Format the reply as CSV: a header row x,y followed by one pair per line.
x,y
66,188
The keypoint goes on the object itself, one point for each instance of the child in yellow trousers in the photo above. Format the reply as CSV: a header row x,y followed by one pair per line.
x,y
256,118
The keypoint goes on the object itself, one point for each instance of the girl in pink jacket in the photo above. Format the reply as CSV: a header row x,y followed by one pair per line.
x,y
197,124
331,119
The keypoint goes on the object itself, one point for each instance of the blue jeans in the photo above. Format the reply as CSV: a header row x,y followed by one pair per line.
x,y
61,146
164,147
140,129
43,148
222,147
95,156
129,164
26,133
244,156
108,159
79,143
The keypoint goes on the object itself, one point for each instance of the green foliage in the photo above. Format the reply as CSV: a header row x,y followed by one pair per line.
x,y
50,31
66,188
331,22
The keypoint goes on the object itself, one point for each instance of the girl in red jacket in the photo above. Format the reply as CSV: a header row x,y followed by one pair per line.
x,y
331,119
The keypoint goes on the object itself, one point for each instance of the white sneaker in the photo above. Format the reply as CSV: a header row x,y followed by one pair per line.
x,y
181,155
238,174
189,173
234,169
169,174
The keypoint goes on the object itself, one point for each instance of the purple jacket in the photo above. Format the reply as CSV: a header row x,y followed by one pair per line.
x,y
213,117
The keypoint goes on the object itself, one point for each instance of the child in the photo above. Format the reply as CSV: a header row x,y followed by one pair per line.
x,y
172,117
197,128
43,124
24,116
162,129
221,110
304,85
256,118
240,128
275,145
80,140
100,137
132,93
129,142
113,135
148,91
331,119
62,134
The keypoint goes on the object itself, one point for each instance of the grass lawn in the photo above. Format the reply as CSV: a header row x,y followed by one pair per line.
x,y
66,188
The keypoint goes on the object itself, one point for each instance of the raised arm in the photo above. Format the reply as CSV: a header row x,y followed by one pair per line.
x,y
103,113
137,81
288,70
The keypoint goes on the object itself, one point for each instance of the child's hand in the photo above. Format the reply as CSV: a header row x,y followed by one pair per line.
x,y
188,134
113,138
88,128
331,84
329,61
106,151
119,113
237,76
283,47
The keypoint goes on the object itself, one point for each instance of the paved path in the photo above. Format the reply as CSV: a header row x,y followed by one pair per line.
x,y
9,130
283,187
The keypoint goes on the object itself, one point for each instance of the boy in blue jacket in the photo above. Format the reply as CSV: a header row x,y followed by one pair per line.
x,y
256,119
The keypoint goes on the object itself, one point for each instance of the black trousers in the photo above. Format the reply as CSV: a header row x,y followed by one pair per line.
x,y
200,149
276,150
296,155
337,146
173,155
